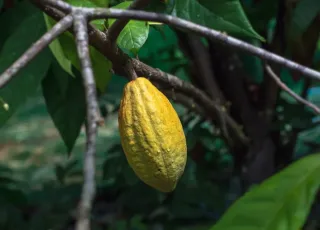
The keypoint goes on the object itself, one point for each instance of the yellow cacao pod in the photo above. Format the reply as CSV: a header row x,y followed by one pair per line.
x,y
152,136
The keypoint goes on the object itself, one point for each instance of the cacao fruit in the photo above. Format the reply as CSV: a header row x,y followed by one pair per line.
x,y
152,135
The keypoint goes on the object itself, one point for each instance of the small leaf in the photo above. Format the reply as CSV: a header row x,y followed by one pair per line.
x,y
282,202
134,34
27,81
65,102
223,15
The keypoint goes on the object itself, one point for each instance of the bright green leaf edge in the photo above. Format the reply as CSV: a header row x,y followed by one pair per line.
x,y
282,202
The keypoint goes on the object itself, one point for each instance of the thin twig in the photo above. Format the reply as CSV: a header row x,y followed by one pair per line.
x,y
116,28
290,92
88,191
35,49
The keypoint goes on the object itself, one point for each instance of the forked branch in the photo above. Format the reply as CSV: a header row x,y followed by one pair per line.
x,y
81,16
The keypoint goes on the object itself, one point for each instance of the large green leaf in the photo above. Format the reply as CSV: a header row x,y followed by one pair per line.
x,y
64,96
26,82
222,15
134,34
303,15
282,202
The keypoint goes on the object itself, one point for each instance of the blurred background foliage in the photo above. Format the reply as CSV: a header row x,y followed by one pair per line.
x,y
40,182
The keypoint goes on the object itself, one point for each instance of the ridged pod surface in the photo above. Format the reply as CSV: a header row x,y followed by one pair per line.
x,y
152,136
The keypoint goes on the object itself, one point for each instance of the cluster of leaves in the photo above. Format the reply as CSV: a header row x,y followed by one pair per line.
x,y
49,200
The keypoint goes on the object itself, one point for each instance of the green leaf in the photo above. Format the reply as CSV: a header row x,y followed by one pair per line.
x,y
65,51
101,69
57,49
1,4
65,102
223,15
303,15
134,34
27,81
282,202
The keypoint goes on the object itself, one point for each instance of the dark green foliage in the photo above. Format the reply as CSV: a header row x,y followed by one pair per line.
x,y
26,82
65,102
42,145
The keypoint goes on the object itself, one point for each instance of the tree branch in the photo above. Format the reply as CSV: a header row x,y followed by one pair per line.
x,y
101,13
122,64
88,191
116,28
203,31
290,92
35,49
